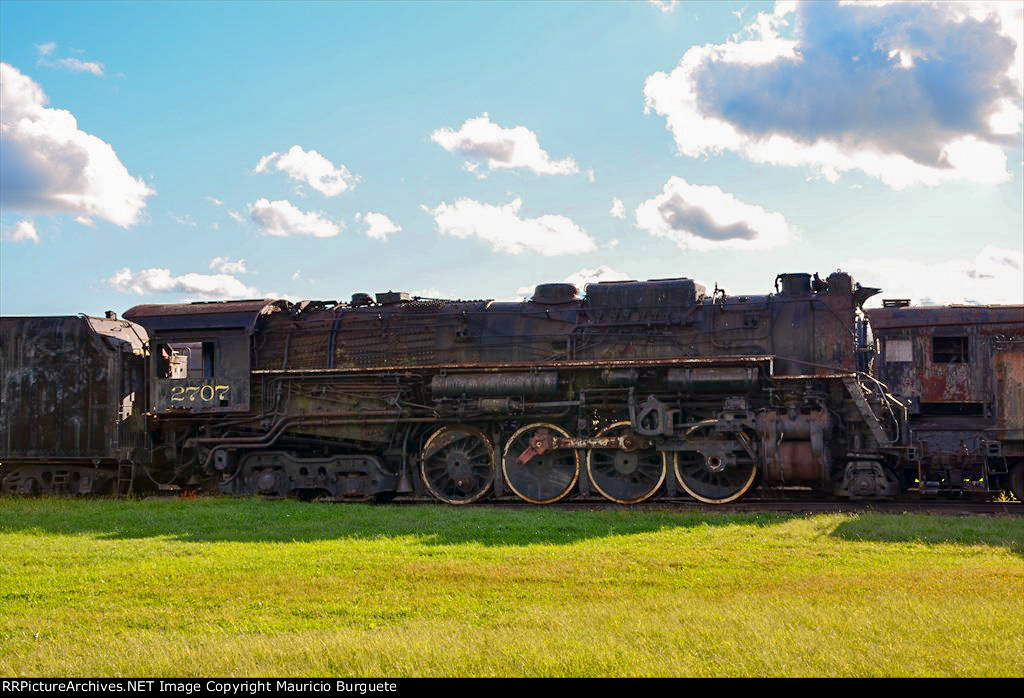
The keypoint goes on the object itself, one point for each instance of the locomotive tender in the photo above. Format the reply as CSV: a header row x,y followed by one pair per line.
x,y
637,390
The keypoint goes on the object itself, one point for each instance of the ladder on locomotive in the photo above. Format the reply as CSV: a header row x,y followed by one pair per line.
x,y
125,479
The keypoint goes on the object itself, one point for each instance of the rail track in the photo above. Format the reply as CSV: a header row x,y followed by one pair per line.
x,y
748,505
758,505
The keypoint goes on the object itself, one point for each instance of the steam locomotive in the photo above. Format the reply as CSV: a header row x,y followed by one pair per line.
x,y
639,389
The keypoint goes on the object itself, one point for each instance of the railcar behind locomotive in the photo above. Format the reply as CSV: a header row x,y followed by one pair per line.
x,y
960,371
636,390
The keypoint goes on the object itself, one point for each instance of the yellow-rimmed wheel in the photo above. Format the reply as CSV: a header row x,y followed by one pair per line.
x,y
626,477
457,464
545,477
718,467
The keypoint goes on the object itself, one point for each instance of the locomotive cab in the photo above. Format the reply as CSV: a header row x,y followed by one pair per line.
x,y
201,354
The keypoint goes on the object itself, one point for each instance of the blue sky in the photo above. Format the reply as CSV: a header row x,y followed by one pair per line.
x,y
157,152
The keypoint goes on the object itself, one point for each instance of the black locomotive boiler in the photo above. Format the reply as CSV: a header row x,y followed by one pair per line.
x,y
636,390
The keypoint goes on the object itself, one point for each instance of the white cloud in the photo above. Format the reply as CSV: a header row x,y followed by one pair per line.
x,y
994,276
225,266
944,82
666,6
506,231
378,225
236,216
700,217
24,230
580,278
618,208
480,139
312,168
281,218
187,219
474,168
75,65
157,280
432,292
283,296
49,165
215,201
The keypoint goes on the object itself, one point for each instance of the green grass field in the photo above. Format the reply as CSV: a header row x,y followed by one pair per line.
x,y
249,587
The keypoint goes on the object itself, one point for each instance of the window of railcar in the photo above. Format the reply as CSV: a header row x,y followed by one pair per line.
x,y
949,350
898,350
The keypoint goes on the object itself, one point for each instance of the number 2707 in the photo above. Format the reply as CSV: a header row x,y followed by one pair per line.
x,y
205,393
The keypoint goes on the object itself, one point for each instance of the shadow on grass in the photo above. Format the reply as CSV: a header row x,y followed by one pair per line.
x,y
1001,531
254,520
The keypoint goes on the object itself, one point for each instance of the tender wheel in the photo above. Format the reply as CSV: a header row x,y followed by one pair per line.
x,y
1017,482
458,464
546,477
626,477
721,466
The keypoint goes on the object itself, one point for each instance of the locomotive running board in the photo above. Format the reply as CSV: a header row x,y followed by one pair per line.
x,y
528,365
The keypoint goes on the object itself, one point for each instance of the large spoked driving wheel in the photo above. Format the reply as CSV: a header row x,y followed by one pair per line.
x,y
719,467
458,464
546,477
626,477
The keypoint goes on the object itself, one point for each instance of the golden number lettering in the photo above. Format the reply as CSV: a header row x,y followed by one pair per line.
x,y
206,393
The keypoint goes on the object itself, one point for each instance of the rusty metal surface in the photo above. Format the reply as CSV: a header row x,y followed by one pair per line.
x,y
1008,360
496,367
542,441
960,369
66,390
934,316
327,373
212,315
715,388
490,384
215,377
944,354
120,333
629,322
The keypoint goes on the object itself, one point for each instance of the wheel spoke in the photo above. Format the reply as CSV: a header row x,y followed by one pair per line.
x,y
460,471
625,477
545,478
715,478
